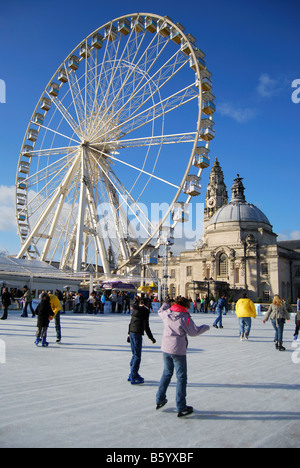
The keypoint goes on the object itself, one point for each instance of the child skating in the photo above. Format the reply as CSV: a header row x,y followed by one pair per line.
x,y
43,312
178,324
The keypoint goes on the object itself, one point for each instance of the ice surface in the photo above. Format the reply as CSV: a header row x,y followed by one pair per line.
x,y
76,394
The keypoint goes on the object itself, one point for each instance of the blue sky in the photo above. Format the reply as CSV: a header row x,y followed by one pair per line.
x,y
252,49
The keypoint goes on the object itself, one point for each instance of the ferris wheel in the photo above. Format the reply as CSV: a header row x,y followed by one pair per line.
x,y
126,119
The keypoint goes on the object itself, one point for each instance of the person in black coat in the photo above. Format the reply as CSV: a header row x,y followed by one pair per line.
x,y
44,313
139,324
6,302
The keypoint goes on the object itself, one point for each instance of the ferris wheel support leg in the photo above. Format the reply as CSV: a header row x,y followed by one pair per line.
x,y
99,240
81,214
48,209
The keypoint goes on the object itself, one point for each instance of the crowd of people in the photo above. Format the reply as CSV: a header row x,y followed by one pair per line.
x,y
177,321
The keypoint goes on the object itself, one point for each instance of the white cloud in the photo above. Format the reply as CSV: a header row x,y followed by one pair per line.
x,y
289,235
239,114
267,86
7,208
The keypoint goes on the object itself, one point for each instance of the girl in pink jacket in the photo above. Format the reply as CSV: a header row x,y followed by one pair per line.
x,y
178,324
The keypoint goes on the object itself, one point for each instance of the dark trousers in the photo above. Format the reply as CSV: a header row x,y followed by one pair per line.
x,y
24,314
57,326
5,309
278,326
297,326
136,342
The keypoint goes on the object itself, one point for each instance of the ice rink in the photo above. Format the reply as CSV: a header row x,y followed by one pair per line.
x,y
76,394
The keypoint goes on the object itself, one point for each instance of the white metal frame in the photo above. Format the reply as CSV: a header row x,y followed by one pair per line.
x,y
98,109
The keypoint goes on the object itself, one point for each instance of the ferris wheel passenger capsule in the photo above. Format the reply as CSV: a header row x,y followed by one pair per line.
x,y
124,26
24,232
200,59
27,150
166,235
73,62
97,40
180,212
186,46
24,167
192,186
62,75
54,89
207,131
175,35
150,24
46,103
85,50
38,119
149,256
164,29
206,80
21,200
21,183
201,158
32,134
137,23
209,106
110,32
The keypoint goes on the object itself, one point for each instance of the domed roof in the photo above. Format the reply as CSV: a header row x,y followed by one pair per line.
x,y
238,210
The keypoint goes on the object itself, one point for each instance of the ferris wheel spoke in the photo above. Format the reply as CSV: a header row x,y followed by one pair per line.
x,y
78,101
66,114
134,167
57,133
145,62
111,91
53,151
49,170
153,84
49,207
159,109
127,62
154,140
126,197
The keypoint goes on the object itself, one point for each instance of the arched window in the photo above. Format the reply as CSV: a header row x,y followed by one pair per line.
x,y
223,265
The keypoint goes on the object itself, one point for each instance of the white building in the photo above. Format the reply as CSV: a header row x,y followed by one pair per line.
x,y
239,251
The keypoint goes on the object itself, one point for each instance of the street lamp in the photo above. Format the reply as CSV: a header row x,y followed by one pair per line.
x,y
208,281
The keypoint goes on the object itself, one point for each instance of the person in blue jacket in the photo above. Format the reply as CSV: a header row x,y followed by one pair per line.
x,y
220,305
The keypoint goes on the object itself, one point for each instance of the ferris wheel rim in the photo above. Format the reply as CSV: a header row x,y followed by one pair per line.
x,y
196,139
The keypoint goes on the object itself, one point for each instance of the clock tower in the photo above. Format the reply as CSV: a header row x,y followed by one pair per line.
x,y
216,193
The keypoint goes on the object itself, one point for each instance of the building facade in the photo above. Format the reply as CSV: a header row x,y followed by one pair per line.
x,y
239,251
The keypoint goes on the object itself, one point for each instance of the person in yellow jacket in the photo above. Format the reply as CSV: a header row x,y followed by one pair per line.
x,y
56,308
245,311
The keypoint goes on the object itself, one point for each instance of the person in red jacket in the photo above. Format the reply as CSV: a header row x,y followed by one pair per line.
x,y
178,325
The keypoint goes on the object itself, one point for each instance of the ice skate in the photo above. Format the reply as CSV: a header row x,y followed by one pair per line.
x,y
188,410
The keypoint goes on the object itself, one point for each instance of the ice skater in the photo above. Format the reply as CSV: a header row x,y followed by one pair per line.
x,y
138,325
220,305
43,312
6,302
278,314
27,302
245,311
178,324
297,320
